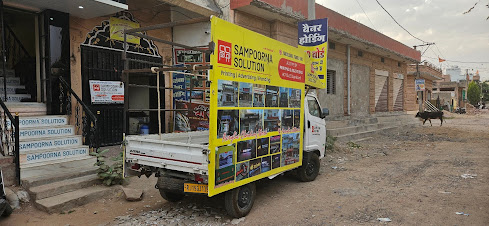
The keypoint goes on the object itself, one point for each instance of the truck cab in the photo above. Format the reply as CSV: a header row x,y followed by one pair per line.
x,y
314,138
314,126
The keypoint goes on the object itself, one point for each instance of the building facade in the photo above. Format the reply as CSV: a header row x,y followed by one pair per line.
x,y
367,71
430,74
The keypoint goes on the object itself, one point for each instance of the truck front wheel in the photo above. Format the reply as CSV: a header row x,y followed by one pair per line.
x,y
310,167
239,201
171,196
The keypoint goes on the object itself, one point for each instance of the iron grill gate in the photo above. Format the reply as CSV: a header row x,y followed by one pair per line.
x,y
107,65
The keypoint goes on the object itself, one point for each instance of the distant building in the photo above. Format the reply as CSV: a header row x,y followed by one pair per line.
x,y
455,73
430,74
476,77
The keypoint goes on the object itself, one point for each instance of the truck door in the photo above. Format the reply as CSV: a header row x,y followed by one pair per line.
x,y
315,126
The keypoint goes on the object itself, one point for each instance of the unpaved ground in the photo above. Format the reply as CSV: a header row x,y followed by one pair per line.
x,y
412,176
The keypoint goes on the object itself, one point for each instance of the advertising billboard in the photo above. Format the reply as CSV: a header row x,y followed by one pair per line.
x,y
313,39
256,91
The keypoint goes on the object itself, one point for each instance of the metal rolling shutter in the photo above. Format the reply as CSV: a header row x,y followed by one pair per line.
x,y
381,90
398,84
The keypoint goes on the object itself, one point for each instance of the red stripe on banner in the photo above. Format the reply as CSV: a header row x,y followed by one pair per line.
x,y
176,160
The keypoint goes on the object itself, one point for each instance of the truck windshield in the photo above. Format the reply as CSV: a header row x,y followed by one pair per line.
x,y
313,106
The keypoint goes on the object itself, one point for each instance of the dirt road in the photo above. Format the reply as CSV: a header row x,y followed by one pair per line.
x,y
411,176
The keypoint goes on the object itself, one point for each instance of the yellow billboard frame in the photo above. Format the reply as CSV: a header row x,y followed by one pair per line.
x,y
246,65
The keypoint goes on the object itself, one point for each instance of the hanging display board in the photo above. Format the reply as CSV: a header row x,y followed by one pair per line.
x,y
256,106
313,39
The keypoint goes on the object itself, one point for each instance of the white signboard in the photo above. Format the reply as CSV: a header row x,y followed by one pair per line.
x,y
106,92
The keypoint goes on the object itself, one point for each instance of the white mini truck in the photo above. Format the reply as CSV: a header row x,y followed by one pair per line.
x,y
263,120
181,160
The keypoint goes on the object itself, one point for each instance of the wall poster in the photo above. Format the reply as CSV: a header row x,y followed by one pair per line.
x,y
256,92
190,93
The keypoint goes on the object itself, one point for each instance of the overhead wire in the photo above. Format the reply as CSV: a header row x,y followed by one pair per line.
x,y
366,15
398,22
425,50
439,51
464,62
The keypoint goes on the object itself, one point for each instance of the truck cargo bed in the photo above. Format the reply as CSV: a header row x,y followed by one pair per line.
x,y
185,152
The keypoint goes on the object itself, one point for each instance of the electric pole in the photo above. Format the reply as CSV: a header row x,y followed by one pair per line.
x,y
418,76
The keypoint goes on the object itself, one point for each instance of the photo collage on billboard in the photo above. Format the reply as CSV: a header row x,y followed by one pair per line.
x,y
190,93
263,123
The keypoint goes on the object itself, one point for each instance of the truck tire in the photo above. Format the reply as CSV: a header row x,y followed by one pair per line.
x,y
7,211
171,189
239,201
171,196
310,167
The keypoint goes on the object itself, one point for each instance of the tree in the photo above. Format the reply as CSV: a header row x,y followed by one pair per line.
x,y
473,93
485,91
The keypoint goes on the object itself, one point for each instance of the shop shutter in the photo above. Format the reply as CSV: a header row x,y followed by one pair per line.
x,y
381,90
398,84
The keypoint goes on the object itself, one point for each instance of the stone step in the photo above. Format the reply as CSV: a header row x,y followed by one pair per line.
x,y
60,187
49,143
26,108
40,175
362,128
11,80
41,120
16,97
12,89
42,132
50,156
69,200
363,134
357,129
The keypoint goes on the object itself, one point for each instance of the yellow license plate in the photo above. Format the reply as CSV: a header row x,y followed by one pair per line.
x,y
195,188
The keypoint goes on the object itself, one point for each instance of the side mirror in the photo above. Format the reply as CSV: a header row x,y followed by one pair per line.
x,y
325,113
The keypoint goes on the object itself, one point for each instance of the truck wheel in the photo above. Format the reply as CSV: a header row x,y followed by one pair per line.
x,y
171,196
239,201
8,210
310,167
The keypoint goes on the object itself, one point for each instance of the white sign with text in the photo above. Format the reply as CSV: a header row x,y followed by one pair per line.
x,y
106,92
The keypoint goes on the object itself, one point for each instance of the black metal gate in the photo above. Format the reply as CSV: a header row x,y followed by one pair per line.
x,y
107,65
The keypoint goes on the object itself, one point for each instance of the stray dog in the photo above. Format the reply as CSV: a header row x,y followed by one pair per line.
x,y
430,115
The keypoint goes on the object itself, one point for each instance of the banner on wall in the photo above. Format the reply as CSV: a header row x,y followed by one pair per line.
x,y
106,92
195,119
419,85
256,93
313,39
117,27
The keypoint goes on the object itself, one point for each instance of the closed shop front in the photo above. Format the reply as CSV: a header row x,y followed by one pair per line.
x,y
398,88
381,90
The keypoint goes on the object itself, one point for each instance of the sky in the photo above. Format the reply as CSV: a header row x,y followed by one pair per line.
x,y
458,37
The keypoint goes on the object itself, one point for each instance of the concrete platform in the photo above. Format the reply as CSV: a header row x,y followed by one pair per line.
x,y
350,128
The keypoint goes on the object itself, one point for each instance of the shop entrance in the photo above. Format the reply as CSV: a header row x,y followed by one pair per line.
x,y
103,64
36,49
20,82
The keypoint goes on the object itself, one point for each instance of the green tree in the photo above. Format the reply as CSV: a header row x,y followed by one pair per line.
x,y
473,93
485,91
